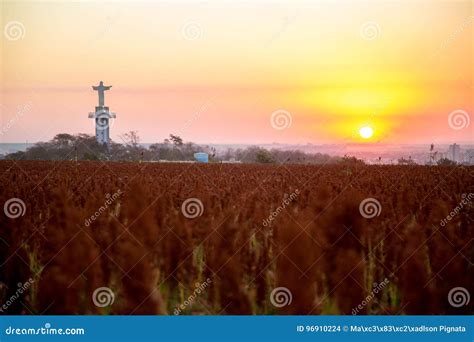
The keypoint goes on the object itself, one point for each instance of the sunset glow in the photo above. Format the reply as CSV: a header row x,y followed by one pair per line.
x,y
192,69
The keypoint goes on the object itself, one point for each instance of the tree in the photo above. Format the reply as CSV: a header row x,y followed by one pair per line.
x,y
177,140
446,162
264,156
64,139
351,161
131,138
132,149
404,161
64,147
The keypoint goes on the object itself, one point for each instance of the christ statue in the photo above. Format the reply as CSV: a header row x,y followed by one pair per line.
x,y
101,89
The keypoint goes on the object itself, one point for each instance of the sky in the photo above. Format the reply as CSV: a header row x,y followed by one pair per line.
x,y
241,72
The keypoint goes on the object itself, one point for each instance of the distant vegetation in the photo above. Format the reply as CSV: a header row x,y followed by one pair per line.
x,y
85,147
446,162
404,161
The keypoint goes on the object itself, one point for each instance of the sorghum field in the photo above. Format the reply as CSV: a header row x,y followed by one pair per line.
x,y
150,238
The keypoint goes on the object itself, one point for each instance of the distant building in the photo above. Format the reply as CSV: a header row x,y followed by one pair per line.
x,y
454,153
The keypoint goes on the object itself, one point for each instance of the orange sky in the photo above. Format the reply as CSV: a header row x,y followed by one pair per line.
x,y
216,72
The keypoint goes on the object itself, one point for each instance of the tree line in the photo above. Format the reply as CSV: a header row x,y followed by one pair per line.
x,y
85,147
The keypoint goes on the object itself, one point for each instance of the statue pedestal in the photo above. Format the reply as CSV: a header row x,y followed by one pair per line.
x,y
102,118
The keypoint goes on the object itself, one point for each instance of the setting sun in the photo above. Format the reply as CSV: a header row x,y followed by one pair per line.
x,y
366,132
